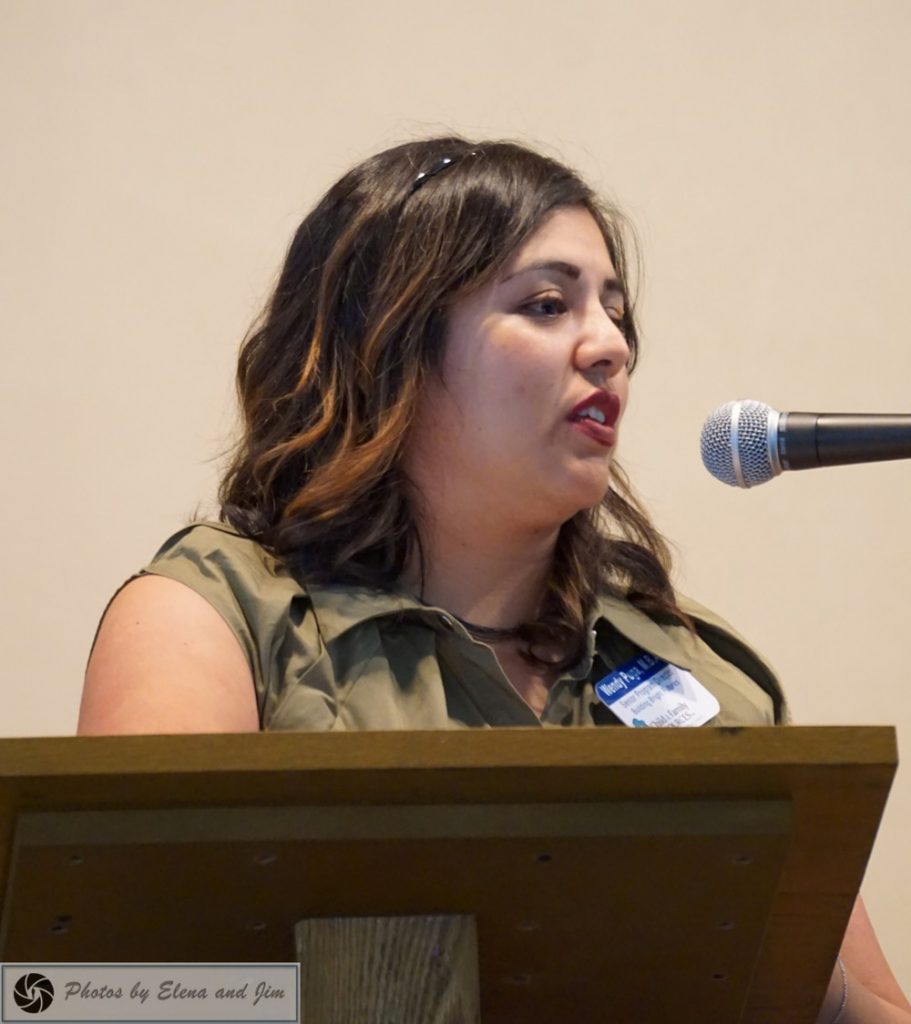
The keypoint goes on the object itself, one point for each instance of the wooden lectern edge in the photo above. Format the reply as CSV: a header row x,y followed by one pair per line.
x,y
504,747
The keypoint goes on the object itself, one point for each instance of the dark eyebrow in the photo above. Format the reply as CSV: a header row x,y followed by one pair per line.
x,y
611,284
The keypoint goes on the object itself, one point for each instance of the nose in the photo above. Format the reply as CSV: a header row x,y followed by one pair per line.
x,y
603,347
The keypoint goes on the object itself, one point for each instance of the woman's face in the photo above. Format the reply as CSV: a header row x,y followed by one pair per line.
x,y
525,416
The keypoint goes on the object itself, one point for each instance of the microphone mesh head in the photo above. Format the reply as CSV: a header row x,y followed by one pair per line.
x,y
741,435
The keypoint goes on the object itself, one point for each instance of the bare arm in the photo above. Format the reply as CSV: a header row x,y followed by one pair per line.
x,y
874,996
166,662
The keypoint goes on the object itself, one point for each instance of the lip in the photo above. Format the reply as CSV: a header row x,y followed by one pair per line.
x,y
605,401
604,434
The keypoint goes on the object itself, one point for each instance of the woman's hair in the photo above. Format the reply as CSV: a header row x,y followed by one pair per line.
x,y
330,375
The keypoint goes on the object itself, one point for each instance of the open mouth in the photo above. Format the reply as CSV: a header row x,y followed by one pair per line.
x,y
602,407
596,417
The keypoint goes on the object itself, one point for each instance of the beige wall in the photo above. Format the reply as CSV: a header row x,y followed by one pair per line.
x,y
157,156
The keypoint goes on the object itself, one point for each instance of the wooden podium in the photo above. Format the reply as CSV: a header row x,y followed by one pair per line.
x,y
622,875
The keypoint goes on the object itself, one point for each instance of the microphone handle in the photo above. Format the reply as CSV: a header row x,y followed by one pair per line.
x,y
810,439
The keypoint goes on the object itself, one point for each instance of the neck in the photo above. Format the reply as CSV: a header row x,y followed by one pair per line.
x,y
488,577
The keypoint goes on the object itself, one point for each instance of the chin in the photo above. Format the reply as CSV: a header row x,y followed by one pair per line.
x,y
581,498
591,486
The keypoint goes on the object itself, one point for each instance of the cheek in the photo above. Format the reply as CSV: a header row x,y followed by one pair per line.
x,y
435,419
524,368
505,377
508,394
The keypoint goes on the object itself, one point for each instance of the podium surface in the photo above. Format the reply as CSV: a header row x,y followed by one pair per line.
x,y
614,874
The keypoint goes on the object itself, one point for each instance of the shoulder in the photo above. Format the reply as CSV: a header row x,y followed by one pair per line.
x,y
205,635
710,624
165,661
254,592
730,645
234,573
305,641
214,549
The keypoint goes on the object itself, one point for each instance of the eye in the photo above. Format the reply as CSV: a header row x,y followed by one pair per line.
x,y
618,315
547,307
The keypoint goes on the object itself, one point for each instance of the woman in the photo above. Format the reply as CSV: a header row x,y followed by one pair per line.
x,y
424,525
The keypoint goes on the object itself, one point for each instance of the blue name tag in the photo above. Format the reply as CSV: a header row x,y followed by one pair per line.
x,y
649,692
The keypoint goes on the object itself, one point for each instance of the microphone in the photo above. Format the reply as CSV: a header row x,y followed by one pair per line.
x,y
747,443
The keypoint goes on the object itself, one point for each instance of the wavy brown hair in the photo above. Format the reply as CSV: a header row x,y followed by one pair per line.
x,y
329,377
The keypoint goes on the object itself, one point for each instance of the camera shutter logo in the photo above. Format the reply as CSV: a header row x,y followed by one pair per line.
x,y
33,992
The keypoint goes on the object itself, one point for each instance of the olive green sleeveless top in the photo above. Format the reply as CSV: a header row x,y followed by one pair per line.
x,y
338,657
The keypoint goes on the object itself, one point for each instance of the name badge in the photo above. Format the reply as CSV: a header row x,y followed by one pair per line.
x,y
648,692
